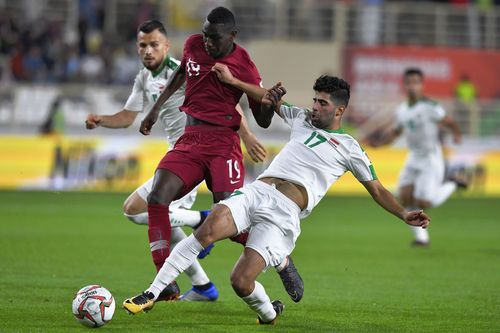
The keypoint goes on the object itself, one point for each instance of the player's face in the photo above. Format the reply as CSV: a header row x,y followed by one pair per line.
x,y
323,110
413,85
217,40
152,48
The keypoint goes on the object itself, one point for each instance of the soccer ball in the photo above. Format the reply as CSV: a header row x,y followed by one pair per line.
x,y
93,306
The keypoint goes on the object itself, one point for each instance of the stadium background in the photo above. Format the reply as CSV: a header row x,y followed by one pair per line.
x,y
61,59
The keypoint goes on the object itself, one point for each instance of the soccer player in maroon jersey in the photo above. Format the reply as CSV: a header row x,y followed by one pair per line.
x,y
209,149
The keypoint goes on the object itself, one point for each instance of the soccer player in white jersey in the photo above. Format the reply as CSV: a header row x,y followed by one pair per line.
x,y
270,208
422,181
153,47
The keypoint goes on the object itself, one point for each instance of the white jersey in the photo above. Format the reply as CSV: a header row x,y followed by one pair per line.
x,y
419,123
148,86
315,158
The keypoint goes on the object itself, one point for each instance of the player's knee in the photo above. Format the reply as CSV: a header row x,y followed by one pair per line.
x,y
424,204
162,196
206,234
242,284
130,208
212,229
406,201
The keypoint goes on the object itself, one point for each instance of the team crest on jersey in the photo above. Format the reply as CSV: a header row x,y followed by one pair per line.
x,y
192,68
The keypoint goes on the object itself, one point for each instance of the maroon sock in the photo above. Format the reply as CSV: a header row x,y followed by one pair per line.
x,y
241,238
159,231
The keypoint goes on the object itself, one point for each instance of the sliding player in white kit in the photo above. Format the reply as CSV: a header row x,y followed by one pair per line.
x,y
153,47
422,183
271,207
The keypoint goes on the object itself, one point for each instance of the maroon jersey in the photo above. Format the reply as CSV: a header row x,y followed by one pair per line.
x,y
207,98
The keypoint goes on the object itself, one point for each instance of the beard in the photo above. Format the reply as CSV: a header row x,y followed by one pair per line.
x,y
152,66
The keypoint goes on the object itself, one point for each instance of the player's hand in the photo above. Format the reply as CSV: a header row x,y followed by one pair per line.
x,y
417,218
148,122
254,148
274,95
457,139
92,121
223,73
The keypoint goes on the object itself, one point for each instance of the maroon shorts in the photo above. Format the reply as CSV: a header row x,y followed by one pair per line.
x,y
207,153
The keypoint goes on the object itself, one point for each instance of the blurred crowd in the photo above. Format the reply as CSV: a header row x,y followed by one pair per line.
x,y
36,48
45,50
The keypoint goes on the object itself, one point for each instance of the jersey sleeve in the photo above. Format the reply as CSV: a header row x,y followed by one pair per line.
x,y
135,101
438,113
252,76
184,53
290,112
360,165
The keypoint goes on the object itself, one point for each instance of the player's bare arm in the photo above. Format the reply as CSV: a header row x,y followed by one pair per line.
x,y
254,147
224,75
387,138
178,78
452,125
122,119
252,91
387,201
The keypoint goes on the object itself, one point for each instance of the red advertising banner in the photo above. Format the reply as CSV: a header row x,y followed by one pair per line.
x,y
378,70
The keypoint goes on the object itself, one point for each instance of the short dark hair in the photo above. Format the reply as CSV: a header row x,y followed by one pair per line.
x,y
339,90
222,15
152,25
413,71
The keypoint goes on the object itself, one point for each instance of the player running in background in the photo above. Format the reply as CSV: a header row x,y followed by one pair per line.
x,y
422,181
153,47
209,149
316,156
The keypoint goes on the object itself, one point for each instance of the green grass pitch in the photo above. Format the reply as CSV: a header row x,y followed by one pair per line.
x,y
360,273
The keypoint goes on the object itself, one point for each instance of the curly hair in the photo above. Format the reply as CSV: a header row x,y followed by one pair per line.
x,y
221,15
339,90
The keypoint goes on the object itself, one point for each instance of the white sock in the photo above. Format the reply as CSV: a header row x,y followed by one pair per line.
x,y
260,303
282,265
443,192
182,256
195,272
180,217
421,234
141,218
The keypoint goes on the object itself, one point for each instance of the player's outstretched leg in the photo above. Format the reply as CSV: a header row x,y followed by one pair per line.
x,y
408,201
135,208
219,225
180,217
243,281
442,192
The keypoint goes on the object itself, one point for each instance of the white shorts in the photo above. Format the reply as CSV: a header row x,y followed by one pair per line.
x,y
425,173
186,202
271,218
